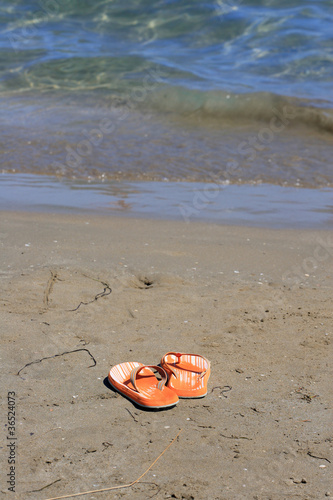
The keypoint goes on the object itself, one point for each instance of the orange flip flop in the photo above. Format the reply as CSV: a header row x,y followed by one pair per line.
x,y
138,383
188,374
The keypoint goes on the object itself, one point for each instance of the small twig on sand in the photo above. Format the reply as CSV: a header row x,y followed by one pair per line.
x,y
319,458
135,419
235,437
107,290
121,486
225,388
46,486
56,355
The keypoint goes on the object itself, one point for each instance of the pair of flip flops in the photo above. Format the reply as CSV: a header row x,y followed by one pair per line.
x,y
182,376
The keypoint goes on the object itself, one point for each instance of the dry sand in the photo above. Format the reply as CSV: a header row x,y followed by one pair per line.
x,y
256,302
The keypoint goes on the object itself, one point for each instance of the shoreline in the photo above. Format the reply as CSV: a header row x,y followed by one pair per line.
x,y
254,301
253,205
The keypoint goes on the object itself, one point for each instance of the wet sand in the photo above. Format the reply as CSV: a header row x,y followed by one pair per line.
x,y
256,302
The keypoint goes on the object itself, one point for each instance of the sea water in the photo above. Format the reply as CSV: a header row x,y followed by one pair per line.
x,y
223,92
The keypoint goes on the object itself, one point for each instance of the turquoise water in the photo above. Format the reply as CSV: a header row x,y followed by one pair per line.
x,y
235,91
278,46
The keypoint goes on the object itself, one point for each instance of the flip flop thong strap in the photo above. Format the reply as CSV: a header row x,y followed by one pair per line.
x,y
178,355
161,371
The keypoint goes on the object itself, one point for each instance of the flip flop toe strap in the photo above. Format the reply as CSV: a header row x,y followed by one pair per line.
x,y
178,356
136,371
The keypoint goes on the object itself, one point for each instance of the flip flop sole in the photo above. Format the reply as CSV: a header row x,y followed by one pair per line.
x,y
136,402
192,397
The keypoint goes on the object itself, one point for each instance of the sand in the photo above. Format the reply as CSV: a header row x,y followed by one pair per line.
x,y
255,302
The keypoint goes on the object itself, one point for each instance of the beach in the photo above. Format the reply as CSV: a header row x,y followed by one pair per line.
x,y
81,293
166,185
